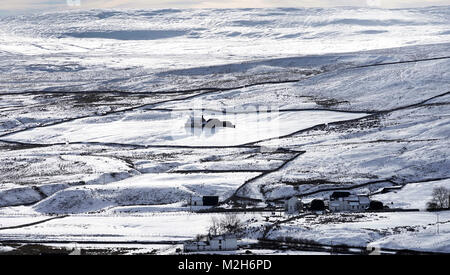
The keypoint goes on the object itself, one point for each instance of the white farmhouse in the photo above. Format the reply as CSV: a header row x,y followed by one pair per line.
x,y
293,205
212,243
196,122
351,203
196,201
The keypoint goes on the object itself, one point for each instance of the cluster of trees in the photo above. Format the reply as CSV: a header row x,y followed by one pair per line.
x,y
227,224
440,199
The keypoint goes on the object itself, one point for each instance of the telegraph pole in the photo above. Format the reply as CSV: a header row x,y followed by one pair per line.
x,y
437,222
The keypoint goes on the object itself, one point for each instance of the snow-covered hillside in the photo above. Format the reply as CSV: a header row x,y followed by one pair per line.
x,y
93,106
142,50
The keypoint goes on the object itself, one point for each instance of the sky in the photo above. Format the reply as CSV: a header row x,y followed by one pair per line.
x,y
7,6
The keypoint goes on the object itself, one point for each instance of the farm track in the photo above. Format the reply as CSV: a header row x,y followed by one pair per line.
x,y
304,245
377,113
372,114
33,223
209,171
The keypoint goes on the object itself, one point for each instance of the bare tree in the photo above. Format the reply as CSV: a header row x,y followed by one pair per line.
x,y
229,223
440,198
215,226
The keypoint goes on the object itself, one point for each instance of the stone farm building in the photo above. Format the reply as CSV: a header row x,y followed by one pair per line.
x,y
346,202
201,122
212,243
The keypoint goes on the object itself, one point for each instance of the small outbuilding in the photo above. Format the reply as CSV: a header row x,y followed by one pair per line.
x,y
293,205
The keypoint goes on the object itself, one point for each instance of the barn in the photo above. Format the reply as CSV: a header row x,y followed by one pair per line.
x,y
317,205
212,123
204,201
212,243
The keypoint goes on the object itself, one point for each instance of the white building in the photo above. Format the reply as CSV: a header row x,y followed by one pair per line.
x,y
293,205
351,203
196,201
212,243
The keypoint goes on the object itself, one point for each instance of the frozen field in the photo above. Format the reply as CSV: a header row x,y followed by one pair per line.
x,y
164,128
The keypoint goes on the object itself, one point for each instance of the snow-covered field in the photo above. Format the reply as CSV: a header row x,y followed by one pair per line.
x,y
93,106
413,195
150,227
150,128
415,230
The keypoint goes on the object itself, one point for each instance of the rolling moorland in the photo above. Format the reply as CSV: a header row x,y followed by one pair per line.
x,y
94,150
